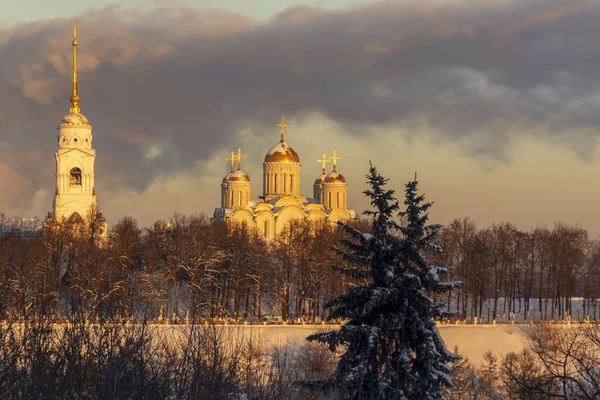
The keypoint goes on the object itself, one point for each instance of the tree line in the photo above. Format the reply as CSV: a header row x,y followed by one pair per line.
x,y
186,268
191,268
531,275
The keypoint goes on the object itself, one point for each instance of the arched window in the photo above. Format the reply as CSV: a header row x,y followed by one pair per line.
x,y
275,182
75,177
231,199
75,218
283,182
337,200
291,183
266,230
329,200
240,198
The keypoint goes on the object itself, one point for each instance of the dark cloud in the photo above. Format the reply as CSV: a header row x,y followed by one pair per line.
x,y
165,88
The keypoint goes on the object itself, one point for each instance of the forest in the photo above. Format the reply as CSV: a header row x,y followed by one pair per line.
x,y
192,268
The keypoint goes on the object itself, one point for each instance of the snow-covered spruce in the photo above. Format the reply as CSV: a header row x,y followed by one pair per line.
x,y
393,349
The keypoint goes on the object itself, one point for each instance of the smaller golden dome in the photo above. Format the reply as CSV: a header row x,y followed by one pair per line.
x,y
335,177
282,153
74,120
238,176
320,179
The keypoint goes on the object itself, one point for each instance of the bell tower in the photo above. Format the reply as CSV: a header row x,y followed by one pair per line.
x,y
75,197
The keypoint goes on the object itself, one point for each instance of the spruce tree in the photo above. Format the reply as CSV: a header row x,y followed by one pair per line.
x,y
392,347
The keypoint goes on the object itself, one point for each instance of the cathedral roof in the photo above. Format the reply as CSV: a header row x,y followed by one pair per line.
x,y
320,179
335,177
226,178
238,176
74,120
282,153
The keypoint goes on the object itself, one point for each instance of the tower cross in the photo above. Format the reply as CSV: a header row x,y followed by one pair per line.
x,y
239,158
233,159
283,125
335,158
324,161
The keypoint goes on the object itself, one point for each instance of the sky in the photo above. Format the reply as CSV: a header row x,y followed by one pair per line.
x,y
494,103
31,10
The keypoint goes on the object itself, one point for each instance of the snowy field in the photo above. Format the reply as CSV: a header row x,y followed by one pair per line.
x,y
472,341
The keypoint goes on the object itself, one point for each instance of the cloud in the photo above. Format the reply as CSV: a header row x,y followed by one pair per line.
x,y
168,88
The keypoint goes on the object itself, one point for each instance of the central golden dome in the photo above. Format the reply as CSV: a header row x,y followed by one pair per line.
x,y
282,153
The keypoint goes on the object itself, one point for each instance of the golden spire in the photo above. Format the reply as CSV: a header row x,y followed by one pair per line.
x,y
335,158
233,159
323,161
239,158
283,125
74,96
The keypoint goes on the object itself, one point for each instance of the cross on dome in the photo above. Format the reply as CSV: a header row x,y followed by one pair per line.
x,y
233,159
323,161
335,157
239,158
283,125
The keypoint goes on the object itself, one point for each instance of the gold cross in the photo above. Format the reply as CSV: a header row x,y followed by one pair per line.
x,y
232,159
239,158
283,125
324,161
335,158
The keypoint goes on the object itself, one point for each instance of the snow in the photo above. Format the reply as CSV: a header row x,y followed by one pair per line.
x,y
473,341
281,147
367,236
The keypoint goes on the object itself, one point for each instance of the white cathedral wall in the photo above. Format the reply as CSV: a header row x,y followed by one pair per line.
x,y
286,215
237,191
281,179
265,223
334,195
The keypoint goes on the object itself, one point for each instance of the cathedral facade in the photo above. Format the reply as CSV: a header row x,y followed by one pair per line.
x,y
75,195
281,201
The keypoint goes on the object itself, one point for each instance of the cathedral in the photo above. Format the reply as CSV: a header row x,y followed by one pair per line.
x,y
75,196
281,201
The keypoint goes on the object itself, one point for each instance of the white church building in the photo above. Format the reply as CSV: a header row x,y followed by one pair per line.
x,y
281,201
75,197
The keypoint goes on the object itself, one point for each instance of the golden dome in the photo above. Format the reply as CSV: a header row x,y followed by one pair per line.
x,y
282,153
74,120
335,177
320,179
238,176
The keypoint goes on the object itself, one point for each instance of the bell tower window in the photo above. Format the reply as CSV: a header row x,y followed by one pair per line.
x,y
75,177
